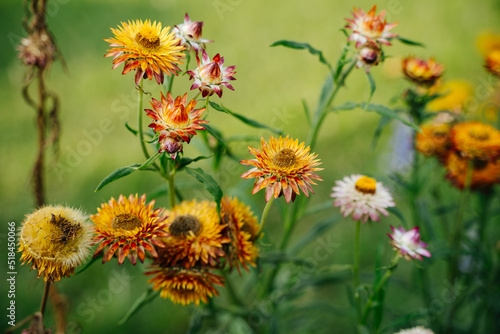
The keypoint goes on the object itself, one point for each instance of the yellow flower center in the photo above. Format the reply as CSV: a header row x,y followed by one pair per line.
x,y
366,185
479,134
126,221
148,40
182,225
285,158
67,230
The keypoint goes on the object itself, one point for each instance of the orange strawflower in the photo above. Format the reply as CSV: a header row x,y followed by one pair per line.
x,y
433,139
195,236
483,174
282,167
422,72
184,286
242,229
128,228
476,140
370,27
175,121
493,62
146,48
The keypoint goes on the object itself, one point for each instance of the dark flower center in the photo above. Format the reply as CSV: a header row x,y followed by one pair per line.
x,y
149,42
126,221
285,158
182,225
68,230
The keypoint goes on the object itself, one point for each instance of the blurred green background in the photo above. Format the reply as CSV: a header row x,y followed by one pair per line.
x,y
270,85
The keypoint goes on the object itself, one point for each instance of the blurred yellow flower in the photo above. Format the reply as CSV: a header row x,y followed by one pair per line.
x,y
484,173
55,240
488,41
422,72
492,62
454,95
433,139
476,140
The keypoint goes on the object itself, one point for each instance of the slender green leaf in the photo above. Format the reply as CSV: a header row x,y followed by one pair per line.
x,y
244,119
127,170
183,162
306,112
409,42
325,93
372,87
117,174
382,123
150,161
379,109
318,229
304,46
147,297
129,128
209,183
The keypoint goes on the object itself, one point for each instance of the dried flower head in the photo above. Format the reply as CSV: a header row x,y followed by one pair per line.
x,y
492,62
184,286
415,330
488,41
408,243
422,72
370,27
189,33
37,49
282,167
361,196
484,173
476,140
210,76
195,236
242,229
128,228
55,240
146,48
176,121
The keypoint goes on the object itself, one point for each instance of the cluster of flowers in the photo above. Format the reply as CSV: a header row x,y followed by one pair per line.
x,y
153,51
469,150
186,244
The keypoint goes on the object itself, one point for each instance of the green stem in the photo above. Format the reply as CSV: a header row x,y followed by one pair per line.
x,y
139,120
265,212
45,298
457,237
170,83
196,95
378,287
355,267
323,109
171,183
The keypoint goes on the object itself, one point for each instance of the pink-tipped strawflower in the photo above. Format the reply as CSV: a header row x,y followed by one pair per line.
x,y
189,33
210,76
363,197
408,243
370,27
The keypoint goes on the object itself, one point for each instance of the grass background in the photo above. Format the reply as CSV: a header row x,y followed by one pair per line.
x,y
270,85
